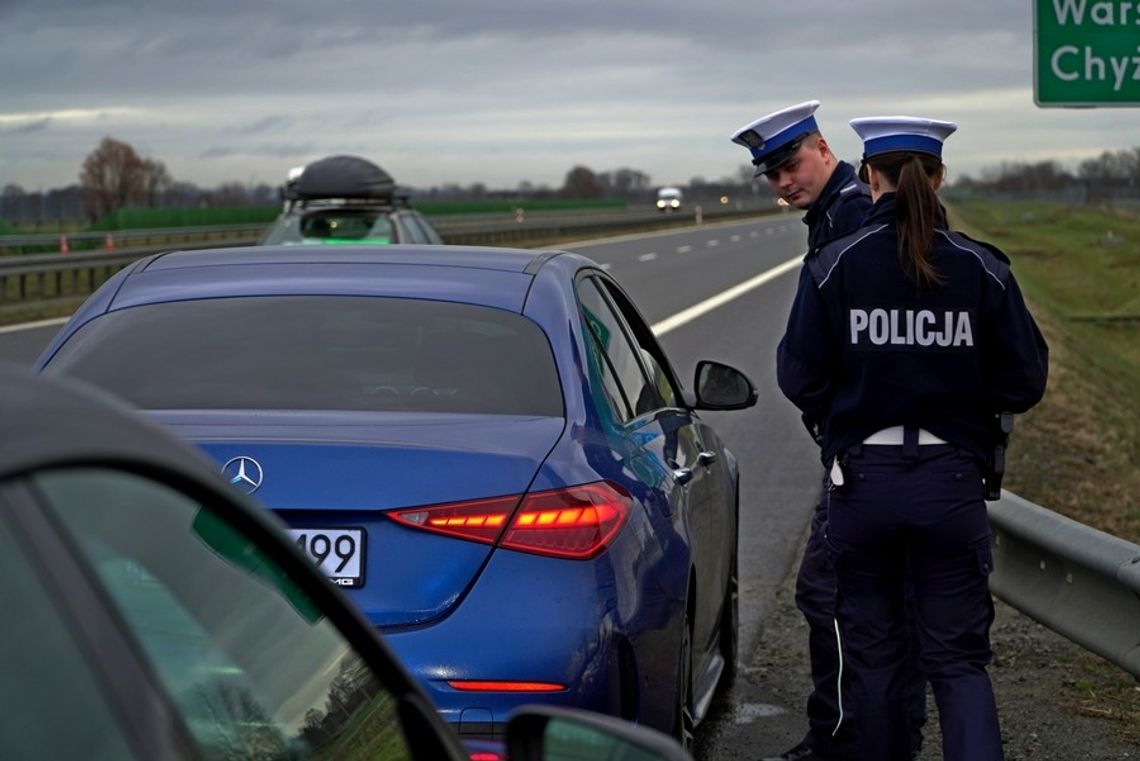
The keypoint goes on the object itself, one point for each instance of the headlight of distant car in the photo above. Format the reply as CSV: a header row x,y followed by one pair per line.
x,y
660,203
674,203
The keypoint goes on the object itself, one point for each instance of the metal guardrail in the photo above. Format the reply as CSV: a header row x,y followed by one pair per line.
x,y
1080,582
78,241
38,277
501,223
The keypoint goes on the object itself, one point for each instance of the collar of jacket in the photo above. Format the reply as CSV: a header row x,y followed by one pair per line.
x,y
841,176
883,210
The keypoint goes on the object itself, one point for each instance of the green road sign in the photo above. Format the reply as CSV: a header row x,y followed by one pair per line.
x,y
1087,52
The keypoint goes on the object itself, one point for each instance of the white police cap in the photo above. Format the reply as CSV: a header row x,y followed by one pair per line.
x,y
887,134
774,139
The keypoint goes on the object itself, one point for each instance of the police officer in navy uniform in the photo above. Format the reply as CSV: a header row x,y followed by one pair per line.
x,y
907,339
789,151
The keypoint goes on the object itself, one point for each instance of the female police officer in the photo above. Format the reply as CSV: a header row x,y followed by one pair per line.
x,y
904,341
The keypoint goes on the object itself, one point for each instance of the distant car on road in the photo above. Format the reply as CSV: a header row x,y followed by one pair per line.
x,y
487,449
346,200
669,199
152,611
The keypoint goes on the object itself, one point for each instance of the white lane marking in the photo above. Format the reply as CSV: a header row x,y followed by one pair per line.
x,y
768,230
747,713
735,238
574,245
753,234
722,298
34,325
713,243
684,249
647,257
606,266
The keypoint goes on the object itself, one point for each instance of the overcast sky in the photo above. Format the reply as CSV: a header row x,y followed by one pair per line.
x,y
501,91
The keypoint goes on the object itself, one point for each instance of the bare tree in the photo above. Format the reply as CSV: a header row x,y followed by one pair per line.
x,y
228,194
1112,166
627,180
112,175
154,181
581,182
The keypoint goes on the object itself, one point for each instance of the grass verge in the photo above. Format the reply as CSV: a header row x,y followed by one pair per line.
x,y
1077,452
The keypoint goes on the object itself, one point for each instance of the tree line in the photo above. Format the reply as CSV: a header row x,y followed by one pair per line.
x,y
114,176
1111,174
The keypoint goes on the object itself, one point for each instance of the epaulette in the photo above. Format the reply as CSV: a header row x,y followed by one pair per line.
x,y
988,246
993,260
821,259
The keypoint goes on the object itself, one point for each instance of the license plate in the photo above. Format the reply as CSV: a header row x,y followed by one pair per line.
x,y
338,552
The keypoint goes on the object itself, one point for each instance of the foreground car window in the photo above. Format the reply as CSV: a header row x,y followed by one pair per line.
x,y
46,676
318,352
251,664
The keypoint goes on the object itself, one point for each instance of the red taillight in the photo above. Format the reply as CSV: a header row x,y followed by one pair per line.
x,y
484,755
480,521
576,522
476,685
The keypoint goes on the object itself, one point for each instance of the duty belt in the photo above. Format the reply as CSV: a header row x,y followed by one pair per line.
x,y
896,436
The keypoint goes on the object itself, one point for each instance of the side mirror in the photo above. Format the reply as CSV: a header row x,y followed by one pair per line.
x,y
552,733
720,387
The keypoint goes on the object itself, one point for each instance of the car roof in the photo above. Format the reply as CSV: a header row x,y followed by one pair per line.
x,y
467,257
497,277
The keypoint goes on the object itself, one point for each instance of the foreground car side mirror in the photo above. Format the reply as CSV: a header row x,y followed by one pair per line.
x,y
552,733
721,387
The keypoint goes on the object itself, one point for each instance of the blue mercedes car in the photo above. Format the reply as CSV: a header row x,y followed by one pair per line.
x,y
486,449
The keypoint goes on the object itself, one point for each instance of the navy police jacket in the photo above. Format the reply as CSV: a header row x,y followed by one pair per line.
x,y
866,348
840,207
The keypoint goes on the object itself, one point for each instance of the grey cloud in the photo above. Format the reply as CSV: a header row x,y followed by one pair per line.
x,y
509,88
272,151
264,124
38,125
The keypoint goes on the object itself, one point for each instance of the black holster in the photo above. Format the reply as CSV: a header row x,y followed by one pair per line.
x,y
995,468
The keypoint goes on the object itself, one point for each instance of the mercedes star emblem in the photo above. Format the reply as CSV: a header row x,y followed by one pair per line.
x,y
244,472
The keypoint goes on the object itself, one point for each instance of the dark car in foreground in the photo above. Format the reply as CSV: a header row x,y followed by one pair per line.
x,y
154,612
487,449
346,200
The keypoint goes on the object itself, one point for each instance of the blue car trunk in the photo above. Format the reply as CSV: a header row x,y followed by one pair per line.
x,y
332,474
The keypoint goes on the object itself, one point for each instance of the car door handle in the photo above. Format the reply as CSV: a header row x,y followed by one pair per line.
x,y
682,475
706,458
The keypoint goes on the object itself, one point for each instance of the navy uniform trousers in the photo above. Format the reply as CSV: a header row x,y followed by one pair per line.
x,y
830,730
919,514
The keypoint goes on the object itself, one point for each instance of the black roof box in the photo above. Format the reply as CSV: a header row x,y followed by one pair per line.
x,y
342,177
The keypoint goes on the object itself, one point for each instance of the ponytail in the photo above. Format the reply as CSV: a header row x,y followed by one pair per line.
x,y
917,210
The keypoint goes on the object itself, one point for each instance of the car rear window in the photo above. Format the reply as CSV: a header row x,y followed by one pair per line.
x,y
332,228
318,352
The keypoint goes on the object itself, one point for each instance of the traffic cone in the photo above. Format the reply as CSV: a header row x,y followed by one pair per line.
x,y
109,243
64,248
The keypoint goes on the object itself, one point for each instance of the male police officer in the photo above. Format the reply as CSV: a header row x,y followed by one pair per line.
x,y
789,151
